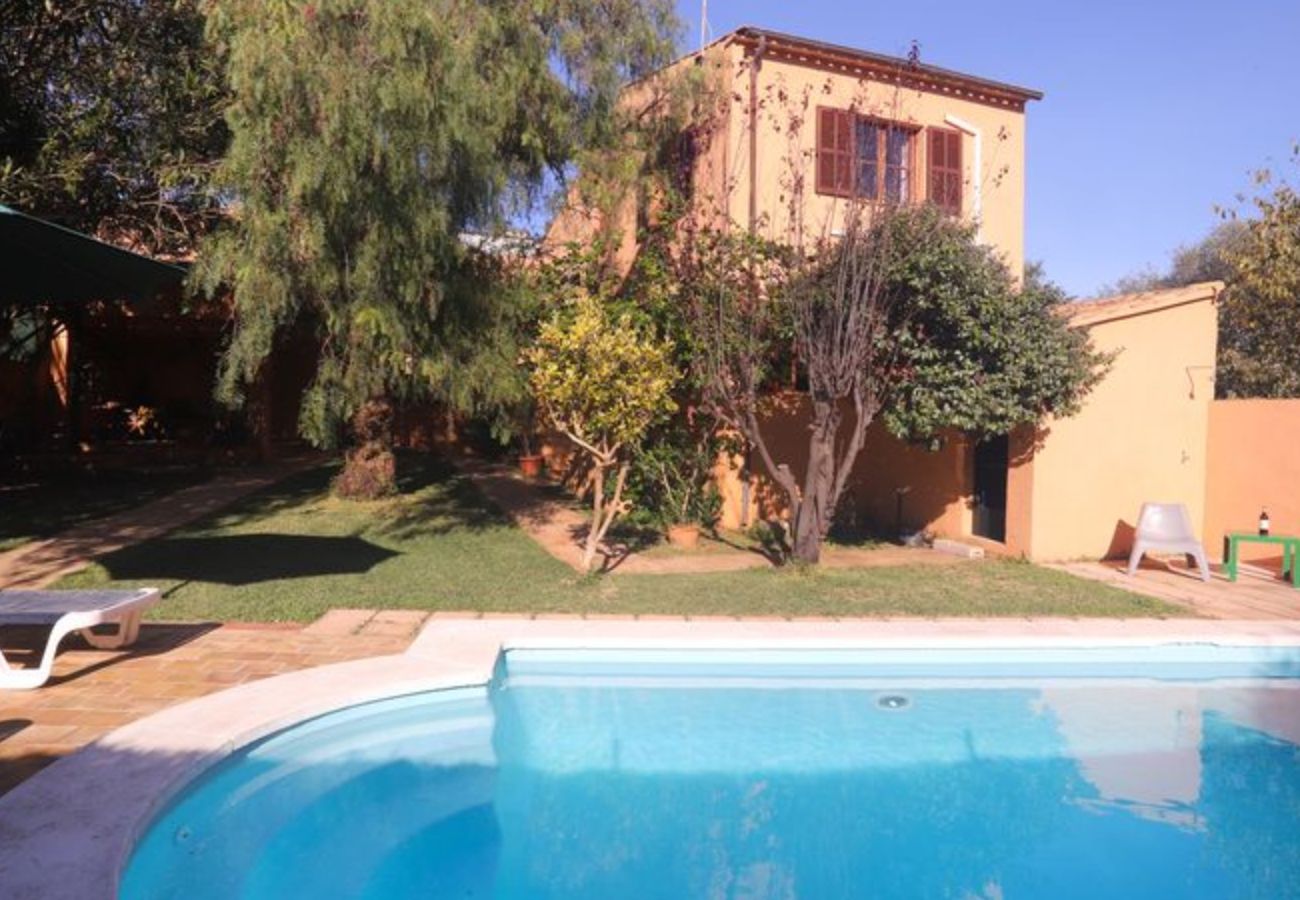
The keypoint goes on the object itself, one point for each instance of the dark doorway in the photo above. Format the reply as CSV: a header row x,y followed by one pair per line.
x,y
991,458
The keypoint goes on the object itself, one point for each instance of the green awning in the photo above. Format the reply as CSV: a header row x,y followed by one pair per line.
x,y
41,262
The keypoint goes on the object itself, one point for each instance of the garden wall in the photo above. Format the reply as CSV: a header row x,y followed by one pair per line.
x,y
1254,464
1142,433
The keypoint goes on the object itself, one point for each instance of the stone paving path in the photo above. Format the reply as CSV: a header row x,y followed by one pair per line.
x,y
93,692
1257,594
558,528
549,521
40,563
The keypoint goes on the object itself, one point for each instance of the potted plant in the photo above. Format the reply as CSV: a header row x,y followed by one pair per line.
x,y
692,503
530,460
675,484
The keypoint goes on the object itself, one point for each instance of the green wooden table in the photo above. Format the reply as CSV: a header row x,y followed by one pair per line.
x,y
1290,552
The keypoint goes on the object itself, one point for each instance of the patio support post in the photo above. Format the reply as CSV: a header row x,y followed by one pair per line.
x,y
72,324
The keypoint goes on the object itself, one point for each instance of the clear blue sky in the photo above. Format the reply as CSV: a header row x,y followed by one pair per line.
x,y
1156,110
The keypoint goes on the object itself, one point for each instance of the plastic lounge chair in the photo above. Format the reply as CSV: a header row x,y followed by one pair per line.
x,y
66,612
1167,528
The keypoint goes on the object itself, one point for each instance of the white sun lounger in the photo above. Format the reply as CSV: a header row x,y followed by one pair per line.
x,y
65,612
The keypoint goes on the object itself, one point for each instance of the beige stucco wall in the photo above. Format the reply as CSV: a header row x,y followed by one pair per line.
x,y
1254,464
1141,436
784,154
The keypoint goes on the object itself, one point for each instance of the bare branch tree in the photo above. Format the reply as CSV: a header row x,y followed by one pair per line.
x,y
748,299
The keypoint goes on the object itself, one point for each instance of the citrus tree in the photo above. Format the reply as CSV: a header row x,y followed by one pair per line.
x,y
602,382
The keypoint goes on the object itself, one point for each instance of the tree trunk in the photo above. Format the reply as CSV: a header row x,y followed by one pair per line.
x,y
597,512
261,409
604,510
369,466
813,518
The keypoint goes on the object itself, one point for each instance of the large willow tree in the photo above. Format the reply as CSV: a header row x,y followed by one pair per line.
x,y
367,137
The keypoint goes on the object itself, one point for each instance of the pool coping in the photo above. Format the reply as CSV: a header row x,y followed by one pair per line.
x,y
68,831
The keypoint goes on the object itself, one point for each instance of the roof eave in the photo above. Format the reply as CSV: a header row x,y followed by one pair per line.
x,y
1084,314
839,58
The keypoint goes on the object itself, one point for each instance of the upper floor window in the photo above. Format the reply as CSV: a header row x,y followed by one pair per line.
x,y
873,159
858,156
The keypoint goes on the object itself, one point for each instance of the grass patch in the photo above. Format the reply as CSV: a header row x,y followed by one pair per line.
x,y
41,507
291,552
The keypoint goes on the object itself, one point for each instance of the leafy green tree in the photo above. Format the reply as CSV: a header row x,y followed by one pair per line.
x,y
1256,254
110,118
1204,260
976,353
603,383
367,137
1259,354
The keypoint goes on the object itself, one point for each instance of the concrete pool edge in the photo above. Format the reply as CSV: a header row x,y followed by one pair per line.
x,y
68,831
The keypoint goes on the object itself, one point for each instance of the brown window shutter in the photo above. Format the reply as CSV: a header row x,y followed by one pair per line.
x,y
825,150
954,173
834,151
944,175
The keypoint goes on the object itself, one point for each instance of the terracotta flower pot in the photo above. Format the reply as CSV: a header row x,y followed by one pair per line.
x,y
685,537
530,466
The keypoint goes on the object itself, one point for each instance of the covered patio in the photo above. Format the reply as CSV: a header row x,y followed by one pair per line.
x,y
60,288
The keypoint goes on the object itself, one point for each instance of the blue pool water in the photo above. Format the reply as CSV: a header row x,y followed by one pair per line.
x,y
1169,773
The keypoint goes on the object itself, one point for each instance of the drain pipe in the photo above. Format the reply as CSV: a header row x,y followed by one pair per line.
x,y
977,194
756,63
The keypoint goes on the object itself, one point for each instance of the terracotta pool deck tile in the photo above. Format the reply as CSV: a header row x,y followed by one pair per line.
x,y
376,628
94,692
402,616
83,717
340,622
38,734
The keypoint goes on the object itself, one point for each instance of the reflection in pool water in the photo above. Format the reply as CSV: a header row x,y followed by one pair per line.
x,y
669,784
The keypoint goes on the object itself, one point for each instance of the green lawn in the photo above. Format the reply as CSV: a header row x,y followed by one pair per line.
x,y
292,552
39,507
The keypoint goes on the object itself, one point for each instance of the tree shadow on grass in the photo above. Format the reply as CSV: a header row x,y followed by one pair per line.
x,y
242,559
457,505
289,493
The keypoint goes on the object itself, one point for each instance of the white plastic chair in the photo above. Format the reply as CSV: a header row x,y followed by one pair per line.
x,y
1167,528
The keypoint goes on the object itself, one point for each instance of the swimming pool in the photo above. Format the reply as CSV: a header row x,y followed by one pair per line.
x,y
1126,772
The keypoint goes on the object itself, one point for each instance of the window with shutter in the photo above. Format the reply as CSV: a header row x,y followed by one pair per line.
x,y
944,170
864,157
